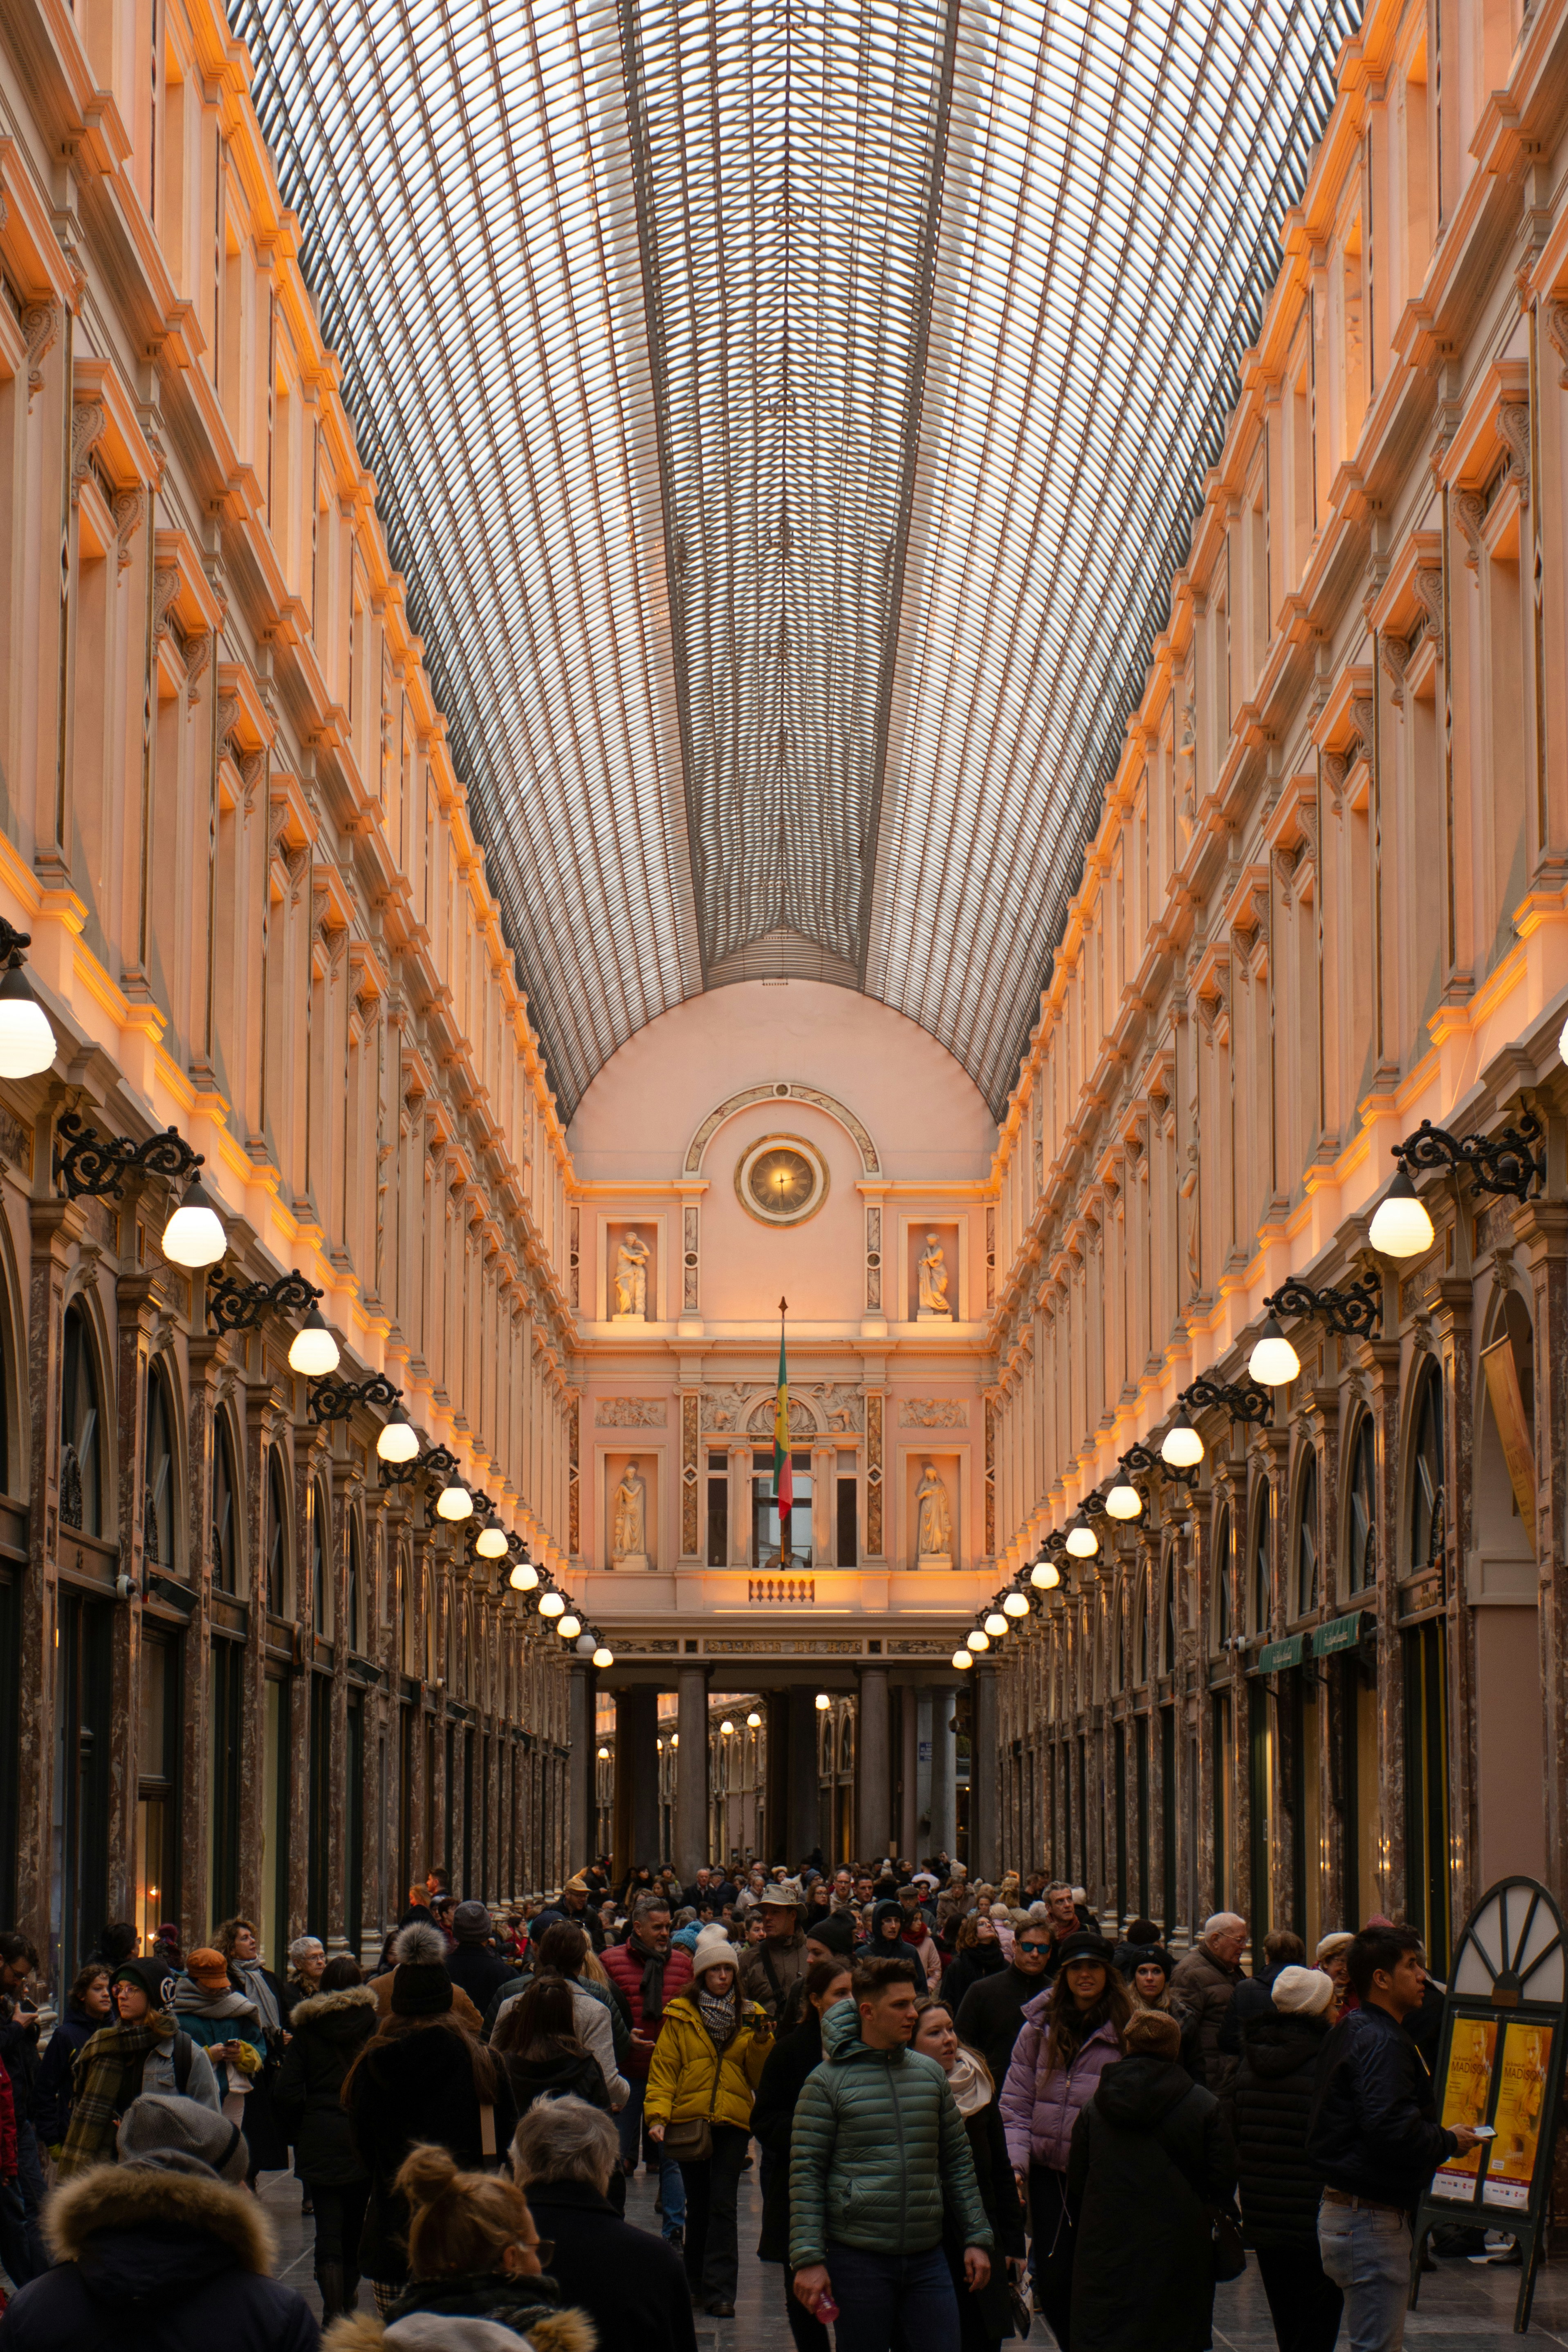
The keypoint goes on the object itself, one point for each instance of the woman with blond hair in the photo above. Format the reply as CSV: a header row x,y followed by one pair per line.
x,y
237,1940
473,2256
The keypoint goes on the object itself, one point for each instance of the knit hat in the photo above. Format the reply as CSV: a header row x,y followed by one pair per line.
x,y
180,2135
471,1923
1151,2032
1148,1955
419,1942
1084,1944
713,1951
779,1899
1339,1939
835,1933
208,1969
421,1989
1303,1992
154,1976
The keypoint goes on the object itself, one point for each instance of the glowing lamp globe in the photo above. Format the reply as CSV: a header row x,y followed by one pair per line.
x,y
675,1738
1082,1541
603,1755
1016,1604
823,1702
550,1604
26,1033
961,1660
604,1657
454,1502
1124,1501
571,1625
1273,1362
585,1644
1183,1447
753,1721
726,1729
524,1576
978,1638
1401,1227
1045,1575
314,1351
996,1624
490,1542
193,1236
399,1440
1562,1041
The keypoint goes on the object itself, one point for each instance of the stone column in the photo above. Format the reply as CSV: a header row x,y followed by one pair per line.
x,y
137,1316
636,1837
691,1773
874,1759
985,1775
57,1226
580,1765
801,1829
1543,1227
943,1835
909,1726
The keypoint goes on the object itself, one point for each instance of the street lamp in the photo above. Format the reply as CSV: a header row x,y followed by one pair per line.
x,y
550,1604
1044,1575
996,1624
314,1351
399,1440
961,1660
753,1721
1182,1445
603,1657
978,1638
726,1729
1082,1541
571,1625
27,1033
453,1502
1401,1228
1015,1604
490,1543
823,1702
1273,1362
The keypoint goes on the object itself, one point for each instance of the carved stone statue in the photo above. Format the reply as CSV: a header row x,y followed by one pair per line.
x,y
1188,1191
934,1521
933,1282
628,1535
631,1277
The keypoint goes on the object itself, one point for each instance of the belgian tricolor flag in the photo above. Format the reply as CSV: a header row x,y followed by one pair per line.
x,y
783,1473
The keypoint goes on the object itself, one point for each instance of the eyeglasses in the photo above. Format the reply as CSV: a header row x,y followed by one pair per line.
x,y
542,2247
1034,1948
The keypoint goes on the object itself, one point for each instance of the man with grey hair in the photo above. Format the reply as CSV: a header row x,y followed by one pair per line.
x,y
648,1973
632,2285
1204,1985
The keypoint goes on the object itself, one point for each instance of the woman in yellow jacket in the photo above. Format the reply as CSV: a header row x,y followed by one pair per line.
x,y
707,2063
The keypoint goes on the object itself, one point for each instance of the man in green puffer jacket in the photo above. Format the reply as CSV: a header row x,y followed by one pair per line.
x,y
877,2151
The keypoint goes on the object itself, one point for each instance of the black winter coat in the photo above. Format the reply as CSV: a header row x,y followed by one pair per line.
x,y
1268,2106
1149,2152
972,1966
554,2078
154,2261
330,2030
416,2086
482,1972
1253,1999
1373,2130
991,2014
631,2285
986,2318
53,2098
789,2061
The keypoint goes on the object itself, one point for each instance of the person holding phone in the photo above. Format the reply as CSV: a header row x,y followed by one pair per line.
x,y
227,2024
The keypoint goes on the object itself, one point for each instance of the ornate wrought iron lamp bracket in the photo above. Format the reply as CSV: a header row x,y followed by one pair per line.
x,y
1351,1313
235,1306
1494,1163
93,1165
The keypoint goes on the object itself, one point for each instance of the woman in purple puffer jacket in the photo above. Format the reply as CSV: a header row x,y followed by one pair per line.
x,y
1069,2035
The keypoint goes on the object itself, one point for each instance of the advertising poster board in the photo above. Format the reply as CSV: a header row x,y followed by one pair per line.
x,y
1500,2062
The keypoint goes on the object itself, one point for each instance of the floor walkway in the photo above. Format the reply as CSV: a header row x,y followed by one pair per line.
x,y
1462,2306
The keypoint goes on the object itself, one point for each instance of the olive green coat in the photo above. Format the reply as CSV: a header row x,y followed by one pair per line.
x,y
878,2148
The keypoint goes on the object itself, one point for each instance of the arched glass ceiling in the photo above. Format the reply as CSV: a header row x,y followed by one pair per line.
x,y
787,419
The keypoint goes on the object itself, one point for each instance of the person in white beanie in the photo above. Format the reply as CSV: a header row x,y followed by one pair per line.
x,y
1269,2100
706,2066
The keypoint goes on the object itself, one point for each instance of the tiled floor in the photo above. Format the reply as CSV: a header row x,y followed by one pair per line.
x,y
1461,2306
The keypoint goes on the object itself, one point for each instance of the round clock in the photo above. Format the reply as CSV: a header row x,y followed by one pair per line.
x,y
780,1180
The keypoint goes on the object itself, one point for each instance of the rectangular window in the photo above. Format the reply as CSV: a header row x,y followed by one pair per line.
x,y
223,1849
157,1812
848,1545
766,1550
718,1511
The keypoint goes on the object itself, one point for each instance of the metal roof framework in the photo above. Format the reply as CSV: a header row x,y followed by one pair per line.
x,y
788,417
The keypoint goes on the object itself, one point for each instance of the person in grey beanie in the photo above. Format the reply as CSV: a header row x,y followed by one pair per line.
x,y
166,2248
474,1962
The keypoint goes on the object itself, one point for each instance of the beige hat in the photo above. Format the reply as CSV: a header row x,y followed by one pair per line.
x,y
780,1898
1339,1939
1303,1992
713,1951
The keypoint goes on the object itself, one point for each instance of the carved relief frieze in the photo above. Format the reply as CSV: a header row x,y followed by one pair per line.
x,y
630,1412
933,1412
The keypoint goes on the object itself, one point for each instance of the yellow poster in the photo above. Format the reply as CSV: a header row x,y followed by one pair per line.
x,y
1521,2103
1466,2089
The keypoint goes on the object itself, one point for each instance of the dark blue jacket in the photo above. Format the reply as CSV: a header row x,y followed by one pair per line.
x,y
1374,2129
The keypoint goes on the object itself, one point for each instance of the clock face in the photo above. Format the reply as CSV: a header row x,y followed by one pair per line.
x,y
780,1180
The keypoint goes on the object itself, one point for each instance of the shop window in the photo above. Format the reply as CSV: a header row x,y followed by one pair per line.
x,y
158,1475
717,1510
225,1531
1219,1570
157,1810
321,1565
1259,1579
277,1540
1307,1575
80,1428
1426,1478
355,1587
1363,1526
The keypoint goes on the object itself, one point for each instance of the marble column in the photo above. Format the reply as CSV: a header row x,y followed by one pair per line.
x,y
943,1833
637,1778
984,1777
801,1833
910,1733
691,1774
874,1774
580,1766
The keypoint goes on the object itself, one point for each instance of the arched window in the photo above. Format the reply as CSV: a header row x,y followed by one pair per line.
x,y
1426,1475
1363,1517
80,1428
277,1540
357,1588
320,1559
225,1515
1306,1537
158,1475
1262,1594
1219,1570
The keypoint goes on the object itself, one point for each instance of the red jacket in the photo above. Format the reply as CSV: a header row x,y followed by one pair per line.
x,y
624,1964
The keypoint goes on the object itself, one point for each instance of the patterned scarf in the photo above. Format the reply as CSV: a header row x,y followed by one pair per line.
x,y
108,2076
719,2015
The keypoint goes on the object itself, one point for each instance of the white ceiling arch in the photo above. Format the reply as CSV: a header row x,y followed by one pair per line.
x,y
780,1090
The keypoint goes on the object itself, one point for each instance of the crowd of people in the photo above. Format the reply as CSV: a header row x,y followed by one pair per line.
x,y
967,2107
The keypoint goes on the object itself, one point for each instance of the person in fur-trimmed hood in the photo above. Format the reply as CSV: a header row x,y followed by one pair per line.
x,y
423,1946
164,2248
476,2282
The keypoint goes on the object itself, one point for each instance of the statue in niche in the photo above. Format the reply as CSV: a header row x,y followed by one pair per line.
x,y
934,1521
631,1277
628,1537
1188,1190
932,1272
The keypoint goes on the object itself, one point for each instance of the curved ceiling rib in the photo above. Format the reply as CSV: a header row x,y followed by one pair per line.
x,y
787,419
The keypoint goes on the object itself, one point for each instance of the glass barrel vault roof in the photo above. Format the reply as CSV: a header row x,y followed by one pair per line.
x,y
786,418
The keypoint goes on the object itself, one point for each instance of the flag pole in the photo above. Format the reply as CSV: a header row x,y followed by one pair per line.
x,y
784,1469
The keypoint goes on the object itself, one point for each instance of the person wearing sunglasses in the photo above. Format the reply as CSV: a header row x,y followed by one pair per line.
x,y
991,2011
